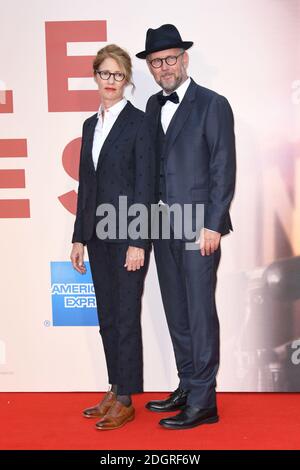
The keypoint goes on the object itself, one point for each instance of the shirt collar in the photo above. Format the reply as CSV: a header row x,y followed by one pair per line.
x,y
115,109
181,89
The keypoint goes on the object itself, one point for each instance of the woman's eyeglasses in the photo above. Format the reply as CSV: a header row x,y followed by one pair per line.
x,y
105,75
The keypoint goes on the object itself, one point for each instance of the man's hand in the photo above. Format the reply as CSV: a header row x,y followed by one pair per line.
x,y
135,258
77,255
209,241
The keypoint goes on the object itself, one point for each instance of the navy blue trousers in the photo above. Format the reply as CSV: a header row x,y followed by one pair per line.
x,y
187,283
118,294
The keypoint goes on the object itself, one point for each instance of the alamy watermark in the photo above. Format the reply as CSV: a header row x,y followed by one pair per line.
x,y
155,221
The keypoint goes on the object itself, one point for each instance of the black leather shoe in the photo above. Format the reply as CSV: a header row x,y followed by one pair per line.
x,y
191,417
176,401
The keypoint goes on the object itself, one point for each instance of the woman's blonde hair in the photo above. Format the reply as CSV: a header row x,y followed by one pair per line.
x,y
119,55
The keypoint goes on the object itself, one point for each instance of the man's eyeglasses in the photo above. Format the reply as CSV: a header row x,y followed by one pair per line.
x,y
105,75
170,60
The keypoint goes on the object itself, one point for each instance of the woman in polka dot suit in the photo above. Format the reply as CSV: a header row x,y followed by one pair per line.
x,y
116,160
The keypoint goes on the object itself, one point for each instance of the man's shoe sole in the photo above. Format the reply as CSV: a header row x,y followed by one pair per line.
x,y
212,420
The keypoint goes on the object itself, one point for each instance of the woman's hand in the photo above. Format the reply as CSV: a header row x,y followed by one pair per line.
x,y
135,258
77,255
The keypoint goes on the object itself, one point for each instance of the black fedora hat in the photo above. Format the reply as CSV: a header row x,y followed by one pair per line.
x,y
165,37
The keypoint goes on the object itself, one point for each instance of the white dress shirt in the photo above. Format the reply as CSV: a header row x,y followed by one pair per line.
x,y
169,108
103,126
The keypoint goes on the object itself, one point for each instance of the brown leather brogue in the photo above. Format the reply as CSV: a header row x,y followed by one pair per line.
x,y
100,410
117,416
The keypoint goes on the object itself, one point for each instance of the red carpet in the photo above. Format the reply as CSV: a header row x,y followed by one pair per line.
x,y
54,421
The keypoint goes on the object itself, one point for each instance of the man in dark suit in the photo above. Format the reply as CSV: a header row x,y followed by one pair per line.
x,y
193,130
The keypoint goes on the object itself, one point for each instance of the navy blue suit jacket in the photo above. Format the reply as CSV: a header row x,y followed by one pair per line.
x,y
199,154
125,168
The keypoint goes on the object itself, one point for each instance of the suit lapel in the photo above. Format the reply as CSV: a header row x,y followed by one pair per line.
x,y
89,141
120,123
154,116
180,116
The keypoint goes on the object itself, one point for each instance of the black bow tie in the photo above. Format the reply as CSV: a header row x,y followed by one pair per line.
x,y
162,99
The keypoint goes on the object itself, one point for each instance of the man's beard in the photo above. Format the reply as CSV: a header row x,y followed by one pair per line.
x,y
169,88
